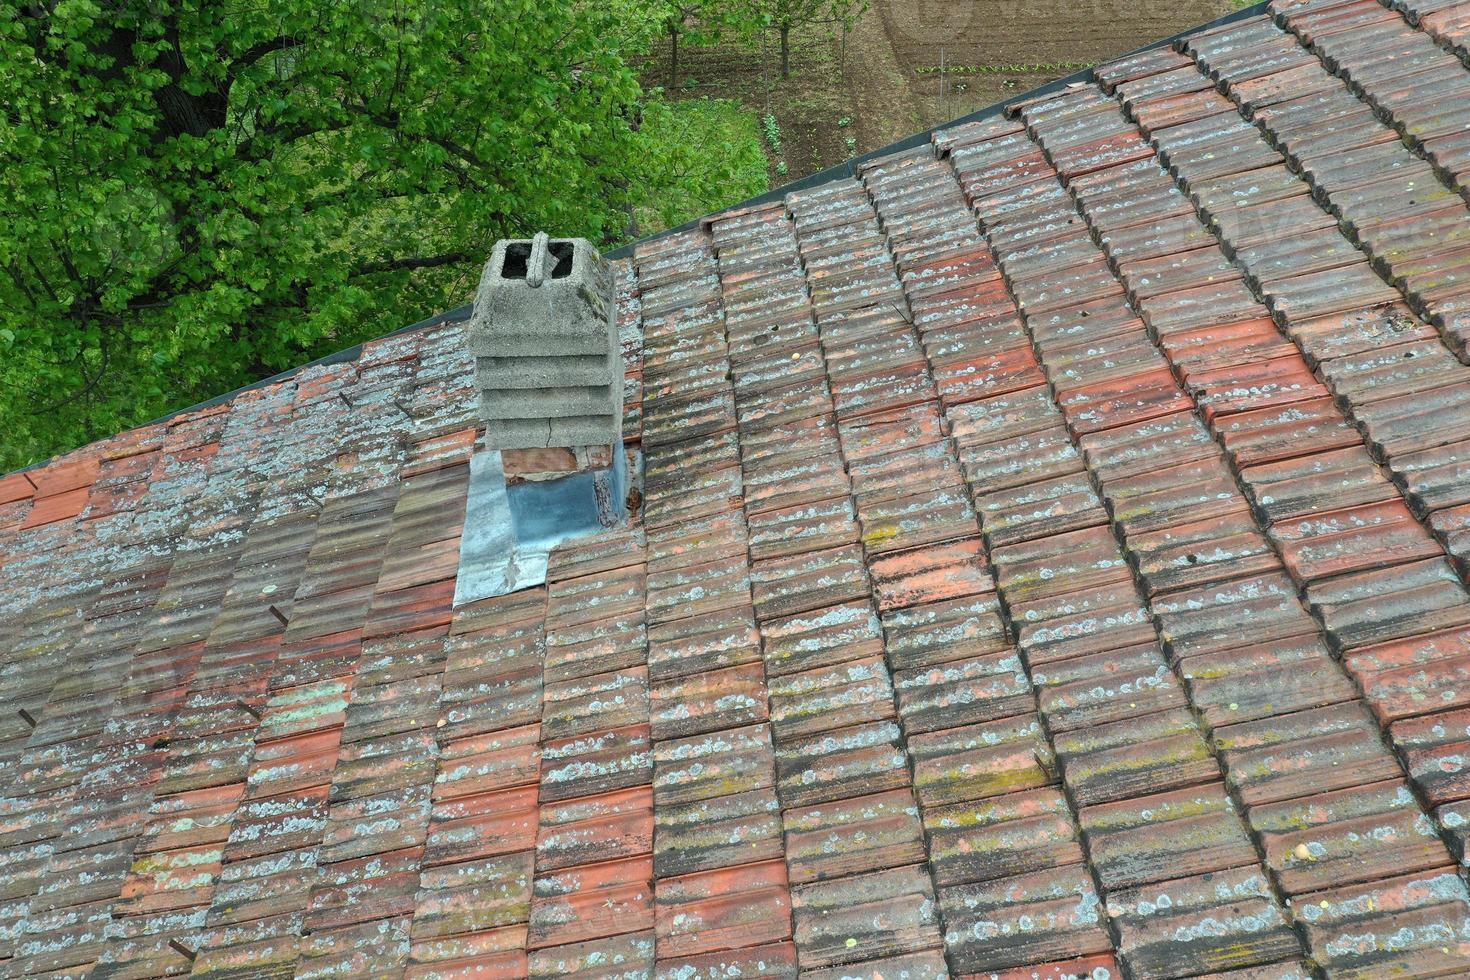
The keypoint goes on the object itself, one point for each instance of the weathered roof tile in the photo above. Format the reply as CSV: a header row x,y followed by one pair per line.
x,y
1050,556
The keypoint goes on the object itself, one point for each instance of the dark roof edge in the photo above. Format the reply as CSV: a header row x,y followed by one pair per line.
x,y
337,357
848,168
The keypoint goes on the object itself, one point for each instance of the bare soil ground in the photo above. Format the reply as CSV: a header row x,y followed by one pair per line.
x,y
993,49
883,81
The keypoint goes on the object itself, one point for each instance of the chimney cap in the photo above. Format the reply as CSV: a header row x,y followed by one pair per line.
x,y
540,258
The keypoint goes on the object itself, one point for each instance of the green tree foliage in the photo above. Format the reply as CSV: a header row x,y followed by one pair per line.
x,y
692,145
198,193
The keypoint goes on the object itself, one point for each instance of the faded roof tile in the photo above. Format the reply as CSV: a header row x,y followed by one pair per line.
x,y
1050,465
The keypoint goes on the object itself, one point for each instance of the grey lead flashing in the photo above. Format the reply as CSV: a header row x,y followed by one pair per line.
x,y
488,564
848,168
509,531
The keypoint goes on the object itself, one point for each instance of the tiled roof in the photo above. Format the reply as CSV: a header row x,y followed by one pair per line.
x,y
1051,563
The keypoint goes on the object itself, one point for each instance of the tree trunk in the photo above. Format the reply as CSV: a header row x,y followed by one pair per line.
x,y
630,230
785,50
674,56
182,112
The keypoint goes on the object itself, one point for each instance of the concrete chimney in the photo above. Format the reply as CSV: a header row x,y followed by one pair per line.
x,y
545,342
549,370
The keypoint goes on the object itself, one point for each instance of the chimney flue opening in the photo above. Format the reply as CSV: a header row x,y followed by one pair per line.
x,y
518,260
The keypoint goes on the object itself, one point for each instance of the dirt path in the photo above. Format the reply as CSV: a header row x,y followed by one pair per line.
x,y
885,109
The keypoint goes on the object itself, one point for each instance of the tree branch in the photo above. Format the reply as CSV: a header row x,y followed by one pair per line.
x,y
411,262
249,151
257,51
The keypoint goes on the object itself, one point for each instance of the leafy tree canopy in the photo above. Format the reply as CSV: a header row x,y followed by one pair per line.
x,y
198,193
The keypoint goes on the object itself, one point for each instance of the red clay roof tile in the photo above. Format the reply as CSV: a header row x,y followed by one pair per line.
x,y
1051,563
